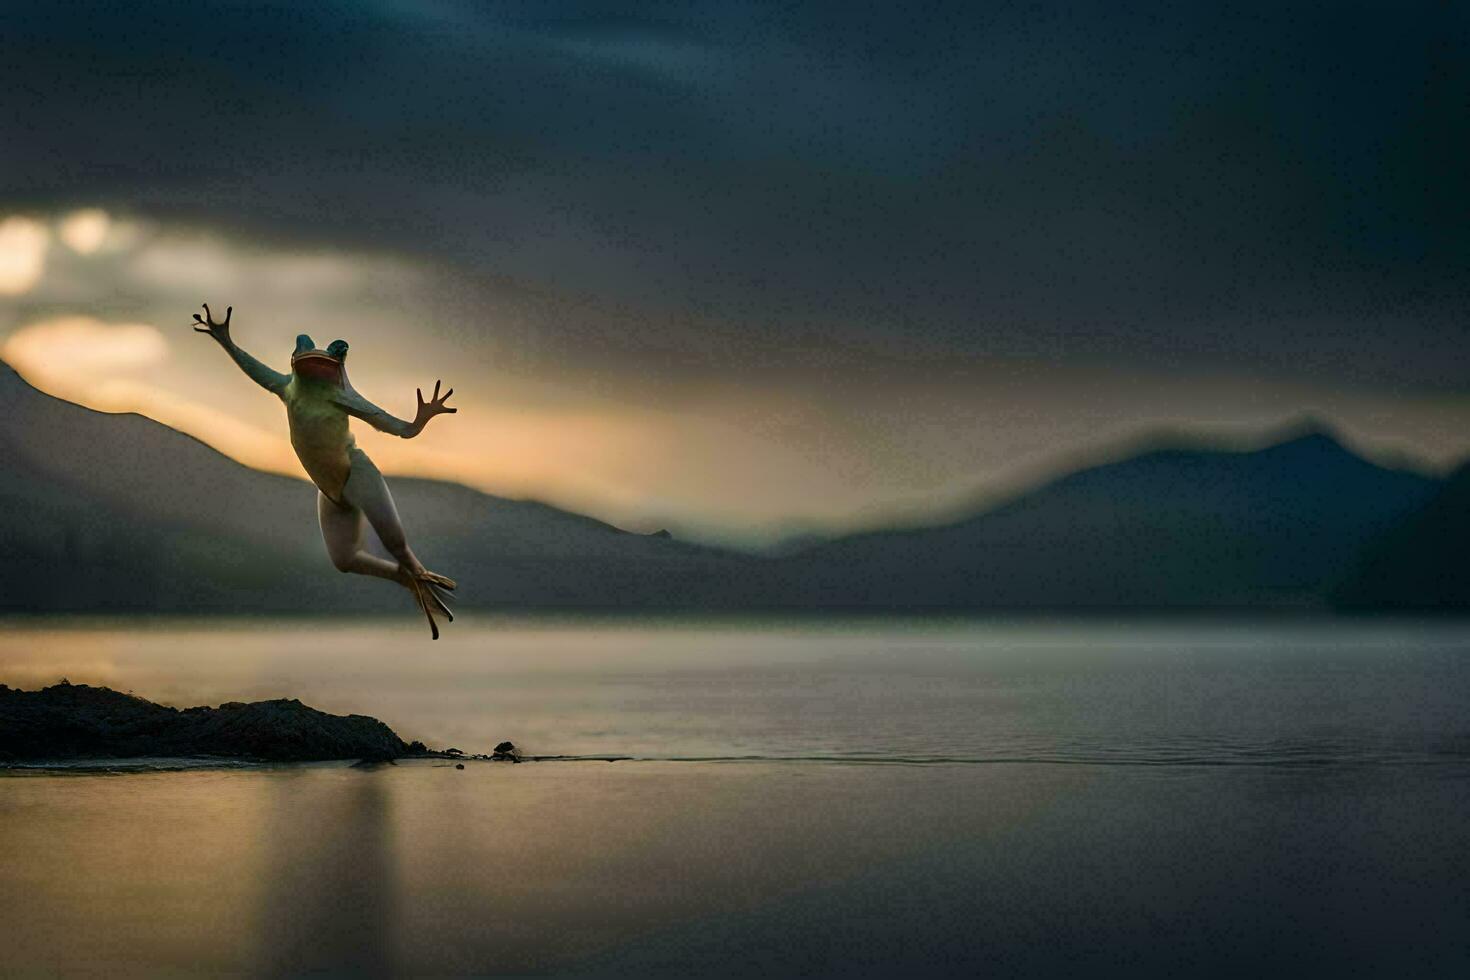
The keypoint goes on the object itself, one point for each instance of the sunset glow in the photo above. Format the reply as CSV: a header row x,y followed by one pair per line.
x,y
22,254
742,462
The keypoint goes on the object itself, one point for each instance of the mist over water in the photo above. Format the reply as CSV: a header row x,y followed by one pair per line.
x,y
822,798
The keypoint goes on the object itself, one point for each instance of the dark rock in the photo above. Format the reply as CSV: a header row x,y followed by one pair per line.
x,y
506,752
459,765
77,721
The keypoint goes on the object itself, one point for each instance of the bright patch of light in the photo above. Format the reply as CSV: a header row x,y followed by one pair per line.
x,y
22,254
85,230
90,362
78,350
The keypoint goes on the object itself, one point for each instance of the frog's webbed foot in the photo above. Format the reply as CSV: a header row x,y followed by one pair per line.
x,y
437,598
419,589
442,581
428,593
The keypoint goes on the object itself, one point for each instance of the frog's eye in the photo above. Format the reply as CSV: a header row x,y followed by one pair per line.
x,y
304,343
338,349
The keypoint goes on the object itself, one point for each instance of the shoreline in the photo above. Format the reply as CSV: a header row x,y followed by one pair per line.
x,y
66,722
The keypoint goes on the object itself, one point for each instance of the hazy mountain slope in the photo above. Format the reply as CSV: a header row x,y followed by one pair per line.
x,y
1422,563
116,512
1174,527
106,512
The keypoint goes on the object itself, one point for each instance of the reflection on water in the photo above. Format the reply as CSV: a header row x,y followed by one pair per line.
x,y
422,868
328,872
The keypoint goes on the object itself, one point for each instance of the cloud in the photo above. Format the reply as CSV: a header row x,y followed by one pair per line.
x,y
179,259
85,230
1015,179
80,349
23,244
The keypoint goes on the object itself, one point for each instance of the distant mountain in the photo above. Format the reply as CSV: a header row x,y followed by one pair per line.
x,y
1175,527
1422,563
117,512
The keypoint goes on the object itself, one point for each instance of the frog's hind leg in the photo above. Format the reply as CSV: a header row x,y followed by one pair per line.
x,y
343,527
366,489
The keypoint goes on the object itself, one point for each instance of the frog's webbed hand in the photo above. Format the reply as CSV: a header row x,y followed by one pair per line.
x,y
359,407
219,331
272,381
434,406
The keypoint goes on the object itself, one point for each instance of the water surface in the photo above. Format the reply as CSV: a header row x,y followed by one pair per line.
x,y
1223,693
933,798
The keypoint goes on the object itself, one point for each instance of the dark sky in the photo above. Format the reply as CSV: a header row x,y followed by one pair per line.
x,y
739,192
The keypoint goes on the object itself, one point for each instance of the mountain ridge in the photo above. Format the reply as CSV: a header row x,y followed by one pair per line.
x,y
134,515
1219,517
115,513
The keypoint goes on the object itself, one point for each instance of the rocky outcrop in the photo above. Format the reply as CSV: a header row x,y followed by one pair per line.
x,y
76,721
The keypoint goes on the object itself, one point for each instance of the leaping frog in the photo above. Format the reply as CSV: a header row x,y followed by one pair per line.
x,y
351,493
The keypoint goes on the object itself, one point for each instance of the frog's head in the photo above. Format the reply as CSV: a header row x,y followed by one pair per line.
x,y
319,365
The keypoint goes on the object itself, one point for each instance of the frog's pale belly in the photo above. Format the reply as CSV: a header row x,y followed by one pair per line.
x,y
321,438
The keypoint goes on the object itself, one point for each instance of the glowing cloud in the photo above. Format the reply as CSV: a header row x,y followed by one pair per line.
x,y
80,351
22,254
84,231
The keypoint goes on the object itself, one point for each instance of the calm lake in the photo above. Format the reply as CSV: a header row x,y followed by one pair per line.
x,y
839,797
